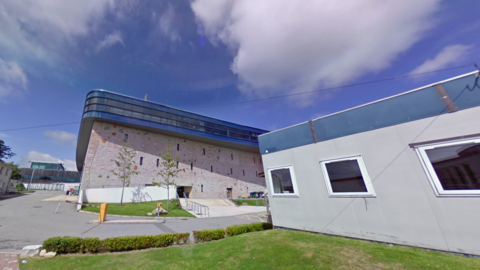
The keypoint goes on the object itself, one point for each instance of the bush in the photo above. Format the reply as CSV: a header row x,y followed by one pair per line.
x,y
176,202
237,202
185,237
245,228
163,240
91,245
208,235
65,244
20,186
124,243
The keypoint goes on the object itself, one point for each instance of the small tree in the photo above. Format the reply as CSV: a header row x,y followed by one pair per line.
x,y
16,171
168,173
125,165
5,151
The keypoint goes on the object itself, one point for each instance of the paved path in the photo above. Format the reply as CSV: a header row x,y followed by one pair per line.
x,y
8,261
27,220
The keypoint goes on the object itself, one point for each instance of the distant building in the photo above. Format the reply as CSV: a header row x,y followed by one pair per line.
x,y
46,172
6,171
47,165
217,159
404,169
48,176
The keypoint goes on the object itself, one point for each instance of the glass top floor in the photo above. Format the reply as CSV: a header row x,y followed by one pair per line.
x,y
47,166
110,105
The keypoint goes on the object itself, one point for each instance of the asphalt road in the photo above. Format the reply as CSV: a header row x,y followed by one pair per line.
x,y
26,220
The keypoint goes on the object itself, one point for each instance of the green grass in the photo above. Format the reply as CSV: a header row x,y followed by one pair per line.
x,y
139,209
251,202
272,249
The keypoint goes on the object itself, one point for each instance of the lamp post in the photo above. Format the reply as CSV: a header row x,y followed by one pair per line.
x,y
31,178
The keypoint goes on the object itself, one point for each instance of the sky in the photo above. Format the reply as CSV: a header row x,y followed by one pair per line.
x,y
197,55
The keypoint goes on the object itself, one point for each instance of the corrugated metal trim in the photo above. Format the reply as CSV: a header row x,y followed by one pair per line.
x,y
445,97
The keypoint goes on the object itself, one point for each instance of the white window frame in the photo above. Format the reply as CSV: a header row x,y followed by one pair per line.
x,y
432,175
292,176
363,169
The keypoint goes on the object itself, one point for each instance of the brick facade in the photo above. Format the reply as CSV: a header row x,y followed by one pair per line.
x,y
233,169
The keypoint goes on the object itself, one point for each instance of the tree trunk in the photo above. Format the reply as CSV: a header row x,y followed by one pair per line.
x,y
121,199
168,198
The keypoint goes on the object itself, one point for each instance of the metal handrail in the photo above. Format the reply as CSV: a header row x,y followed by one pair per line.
x,y
197,208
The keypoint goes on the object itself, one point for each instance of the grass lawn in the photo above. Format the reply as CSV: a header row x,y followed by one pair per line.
x,y
273,249
252,202
139,209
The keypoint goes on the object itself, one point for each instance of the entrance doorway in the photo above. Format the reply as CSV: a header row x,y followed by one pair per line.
x,y
184,191
229,193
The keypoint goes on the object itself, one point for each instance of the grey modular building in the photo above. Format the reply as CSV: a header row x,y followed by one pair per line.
x,y
403,170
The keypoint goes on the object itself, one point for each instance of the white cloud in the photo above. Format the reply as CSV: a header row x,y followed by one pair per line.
x,y
62,137
284,46
12,79
449,55
69,164
42,31
3,135
110,40
166,24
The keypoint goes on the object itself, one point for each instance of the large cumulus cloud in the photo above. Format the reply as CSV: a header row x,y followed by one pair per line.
x,y
284,46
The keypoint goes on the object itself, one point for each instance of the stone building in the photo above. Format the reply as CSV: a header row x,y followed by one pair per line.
x,y
6,171
218,159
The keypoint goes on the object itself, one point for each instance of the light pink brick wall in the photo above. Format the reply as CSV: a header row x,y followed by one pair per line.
x,y
106,140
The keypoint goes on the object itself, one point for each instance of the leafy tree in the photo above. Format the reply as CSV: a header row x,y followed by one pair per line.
x,y
125,165
20,186
16,171
168,172
5,151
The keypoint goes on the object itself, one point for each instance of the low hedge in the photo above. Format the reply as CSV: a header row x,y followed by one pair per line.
x,y
125,243
182,238
68,244
65,244
245,228
208,235
91,245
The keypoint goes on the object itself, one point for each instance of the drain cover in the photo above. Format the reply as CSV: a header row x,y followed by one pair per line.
x,y
37,207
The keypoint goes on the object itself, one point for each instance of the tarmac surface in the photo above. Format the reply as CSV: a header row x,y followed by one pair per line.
x,y
27,220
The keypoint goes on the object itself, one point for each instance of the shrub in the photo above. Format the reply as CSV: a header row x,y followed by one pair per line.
x,y
91,245
124,243
208,235
245,228
182,237
65,244
20,186
176,202
237,202
163,240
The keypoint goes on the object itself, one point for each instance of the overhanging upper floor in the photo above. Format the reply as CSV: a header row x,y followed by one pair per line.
x,y
109,107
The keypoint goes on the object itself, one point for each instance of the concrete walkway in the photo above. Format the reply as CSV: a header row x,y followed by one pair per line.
x,y
221,208
27,220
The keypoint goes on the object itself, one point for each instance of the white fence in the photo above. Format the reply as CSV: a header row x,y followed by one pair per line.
x,y
53,187
130,194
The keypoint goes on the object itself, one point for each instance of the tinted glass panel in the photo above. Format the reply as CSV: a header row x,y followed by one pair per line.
x,y
345,176
282,181
457,167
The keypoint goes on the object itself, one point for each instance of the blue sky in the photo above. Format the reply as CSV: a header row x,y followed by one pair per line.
x,y
196,54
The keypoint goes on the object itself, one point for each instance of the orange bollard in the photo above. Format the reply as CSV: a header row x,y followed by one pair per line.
x,y
103,212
